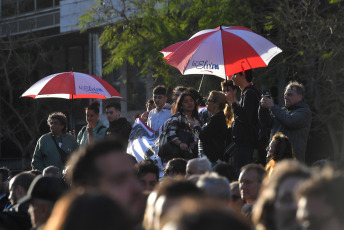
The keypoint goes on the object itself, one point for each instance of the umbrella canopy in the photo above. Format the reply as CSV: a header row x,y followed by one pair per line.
x,y
222,51
72,85
168,51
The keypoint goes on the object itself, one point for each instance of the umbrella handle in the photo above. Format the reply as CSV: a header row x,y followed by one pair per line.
x,y
199,88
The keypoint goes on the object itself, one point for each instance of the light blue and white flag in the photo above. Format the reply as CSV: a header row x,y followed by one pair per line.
x,y
142,143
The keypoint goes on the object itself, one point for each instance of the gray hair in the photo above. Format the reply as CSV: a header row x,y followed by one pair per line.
x,y
298,87
203,164
215,186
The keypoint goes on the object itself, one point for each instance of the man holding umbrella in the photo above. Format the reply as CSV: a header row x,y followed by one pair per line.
x,y
54,148
245,125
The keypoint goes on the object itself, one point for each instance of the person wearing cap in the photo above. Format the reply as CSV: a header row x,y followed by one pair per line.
x,y
41,196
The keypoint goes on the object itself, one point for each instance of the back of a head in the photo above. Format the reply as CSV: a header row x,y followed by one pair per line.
x,y
283,147
203,165
205,219
46,188
4,172
178,187
215,186
248,75
176,166
23,179
226,170
83,169
87,211
52,171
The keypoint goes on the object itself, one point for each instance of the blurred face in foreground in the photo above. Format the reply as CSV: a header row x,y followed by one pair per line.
x,y
118,179
314,213
285,205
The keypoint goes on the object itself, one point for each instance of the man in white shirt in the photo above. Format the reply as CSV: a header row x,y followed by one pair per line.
x,y
158,116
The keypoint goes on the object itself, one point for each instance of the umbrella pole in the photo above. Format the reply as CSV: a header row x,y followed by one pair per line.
x,y
199,88
72,114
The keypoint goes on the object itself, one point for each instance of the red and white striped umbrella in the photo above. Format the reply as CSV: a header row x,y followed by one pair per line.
x,y
222,51
168,51
72,85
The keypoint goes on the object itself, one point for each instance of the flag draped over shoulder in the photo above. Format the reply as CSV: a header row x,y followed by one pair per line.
x,y
142,143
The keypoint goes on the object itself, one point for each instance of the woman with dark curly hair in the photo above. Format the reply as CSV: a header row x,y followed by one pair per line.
x,y
177,127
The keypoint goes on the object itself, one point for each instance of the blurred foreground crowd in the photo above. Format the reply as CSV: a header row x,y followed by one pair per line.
x,y
105,188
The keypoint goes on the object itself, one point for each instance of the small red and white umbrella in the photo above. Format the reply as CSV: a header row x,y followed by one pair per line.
x,y
72,85
222,51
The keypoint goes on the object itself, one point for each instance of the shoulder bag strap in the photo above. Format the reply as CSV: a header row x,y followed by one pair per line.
x,y
62,153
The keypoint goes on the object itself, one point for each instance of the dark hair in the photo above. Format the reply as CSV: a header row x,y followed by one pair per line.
x,y
160,90
226,170
23,179
198,98
175,166
179,88
4,172
228,83
147,166
248,75
178,107
94,106
178,187
211,218
83,169
283,147
88,211
149,102
259,169
114,104
58,116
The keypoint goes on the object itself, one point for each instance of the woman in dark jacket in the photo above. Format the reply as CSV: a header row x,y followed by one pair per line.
x,y
212,134
177,127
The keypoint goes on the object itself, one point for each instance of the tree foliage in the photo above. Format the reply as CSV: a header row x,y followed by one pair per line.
x,y
139,29
310,33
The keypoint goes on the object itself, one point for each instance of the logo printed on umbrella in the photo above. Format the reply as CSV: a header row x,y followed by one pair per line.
x,y
88,88
205,65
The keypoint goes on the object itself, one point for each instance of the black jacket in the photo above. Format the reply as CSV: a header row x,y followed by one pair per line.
x,y
120,127
212,136
245,125
16,217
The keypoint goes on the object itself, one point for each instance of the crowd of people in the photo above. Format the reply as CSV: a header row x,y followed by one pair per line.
x,y
214,174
